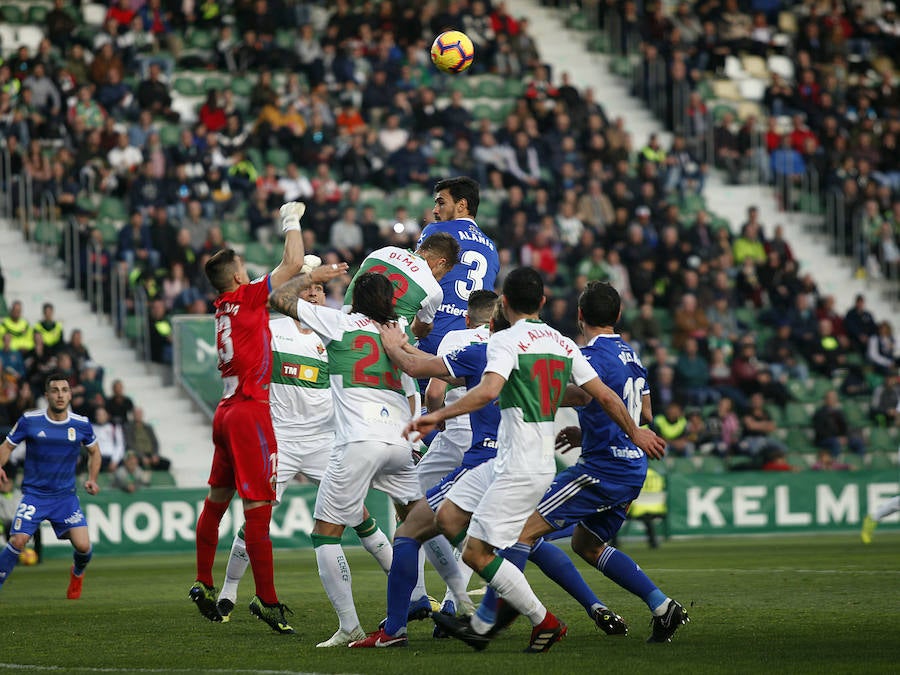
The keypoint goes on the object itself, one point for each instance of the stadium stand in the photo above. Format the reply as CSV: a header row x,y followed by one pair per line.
x,y
129,183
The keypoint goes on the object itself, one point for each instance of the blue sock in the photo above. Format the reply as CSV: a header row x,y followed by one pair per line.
x,y
81,560
9,556
560,534
401,581
559,567
625,572
517,554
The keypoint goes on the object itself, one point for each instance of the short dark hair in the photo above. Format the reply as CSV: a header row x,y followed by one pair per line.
x,y
498,319
461,187
55,376
373,295
220,268
523,289
443,245
600,304
481,306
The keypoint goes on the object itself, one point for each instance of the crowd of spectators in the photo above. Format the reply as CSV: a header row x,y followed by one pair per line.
x,y
831,121
32,350
354,107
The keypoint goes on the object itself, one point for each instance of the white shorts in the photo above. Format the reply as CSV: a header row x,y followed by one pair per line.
x,y
307,456
356,467
444,454
506,502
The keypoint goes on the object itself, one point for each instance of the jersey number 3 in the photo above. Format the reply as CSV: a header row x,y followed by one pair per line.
x,y
474,281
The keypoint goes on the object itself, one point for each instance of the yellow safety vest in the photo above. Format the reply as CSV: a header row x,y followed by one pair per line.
x,y
21,331
52,336
652,500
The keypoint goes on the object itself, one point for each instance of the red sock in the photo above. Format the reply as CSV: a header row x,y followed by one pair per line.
x,y
208,538
259,550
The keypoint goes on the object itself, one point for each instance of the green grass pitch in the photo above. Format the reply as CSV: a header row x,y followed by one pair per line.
x,y
777,605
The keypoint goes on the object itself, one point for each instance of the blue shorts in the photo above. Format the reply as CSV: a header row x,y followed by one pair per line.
x,y
436,494
598,505
64,513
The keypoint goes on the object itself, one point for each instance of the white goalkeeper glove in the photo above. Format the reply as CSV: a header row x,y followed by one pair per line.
x,y
291,213
310,262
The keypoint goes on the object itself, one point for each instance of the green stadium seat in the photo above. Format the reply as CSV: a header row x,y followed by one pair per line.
x,y
881,439
169,134
799,440
483,111
37,14
112,208
882,461
279,157
578,21
513,88
132,326
798,460
712,464
47,233
12,14
212,82
187,86
855,461
200,39
4,310
109,230
235,231
684,465
856,413
162,479
257,254
241,86
796,415
598,43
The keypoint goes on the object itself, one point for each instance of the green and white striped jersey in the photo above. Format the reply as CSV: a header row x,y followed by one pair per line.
x,y
299,393
370,393
537,362
416,292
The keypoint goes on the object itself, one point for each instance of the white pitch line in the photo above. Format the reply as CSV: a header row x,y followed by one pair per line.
x,y
222,671
769,570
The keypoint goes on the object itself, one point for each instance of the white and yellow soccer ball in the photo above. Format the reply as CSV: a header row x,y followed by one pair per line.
x,y
452,51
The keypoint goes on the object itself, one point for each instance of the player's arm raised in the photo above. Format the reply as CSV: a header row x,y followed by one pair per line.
x,y
284,297
292,258
407,358
476,398
645,439
94,461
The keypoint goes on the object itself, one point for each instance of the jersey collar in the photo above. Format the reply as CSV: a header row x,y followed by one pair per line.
x,y
601,335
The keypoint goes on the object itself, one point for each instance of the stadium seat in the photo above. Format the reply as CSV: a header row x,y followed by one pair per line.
x,y
598,43
483,111
684,465
798,460
93,13
187,86
241,86
578,21
109,230
235,232
799,440
733,68
279,157
856,413
8,40
855,461
47,233
755,66
752,89
214,83
514,87
169,134
726,89
712,464
781,65
30,36
256,253
797,415
882,461
881,439
37,14
112,208
12,14
200,39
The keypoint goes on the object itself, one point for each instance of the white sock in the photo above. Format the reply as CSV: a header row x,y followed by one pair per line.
x,y
334,571
238,561
892,505
465,572
379,546
441,555
512,586
419,590
662,608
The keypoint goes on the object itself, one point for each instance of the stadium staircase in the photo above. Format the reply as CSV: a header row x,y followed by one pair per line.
x,y
184,434
566,49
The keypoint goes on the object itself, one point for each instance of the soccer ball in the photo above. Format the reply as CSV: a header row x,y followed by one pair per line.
x,y
452,51
28,557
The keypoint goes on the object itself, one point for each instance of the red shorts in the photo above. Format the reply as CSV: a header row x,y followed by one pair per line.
x,y
245,455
